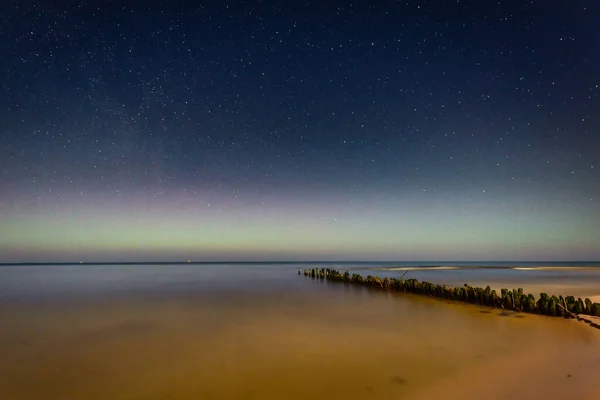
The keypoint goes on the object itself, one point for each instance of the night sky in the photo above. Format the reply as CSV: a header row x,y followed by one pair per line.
x,y
299,130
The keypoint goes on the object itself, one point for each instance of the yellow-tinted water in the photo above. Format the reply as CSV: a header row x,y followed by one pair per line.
x,y
345,343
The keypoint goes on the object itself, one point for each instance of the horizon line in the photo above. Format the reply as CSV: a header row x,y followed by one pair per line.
x,y
179,262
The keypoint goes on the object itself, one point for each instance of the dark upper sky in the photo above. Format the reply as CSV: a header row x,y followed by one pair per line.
x,y
302,130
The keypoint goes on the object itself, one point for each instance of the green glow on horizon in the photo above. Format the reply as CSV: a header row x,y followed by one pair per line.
x,y
348,234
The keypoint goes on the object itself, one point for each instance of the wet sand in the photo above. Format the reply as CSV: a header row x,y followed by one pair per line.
x,y
333,341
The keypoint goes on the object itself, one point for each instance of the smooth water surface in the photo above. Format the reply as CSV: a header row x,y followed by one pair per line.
x,y
256,331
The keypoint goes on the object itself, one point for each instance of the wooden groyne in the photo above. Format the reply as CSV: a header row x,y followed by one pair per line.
x,y
515,299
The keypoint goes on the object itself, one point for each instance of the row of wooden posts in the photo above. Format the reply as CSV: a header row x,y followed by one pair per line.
x,y
515,299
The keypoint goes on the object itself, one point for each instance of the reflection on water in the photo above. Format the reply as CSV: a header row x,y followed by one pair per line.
x,y
161,333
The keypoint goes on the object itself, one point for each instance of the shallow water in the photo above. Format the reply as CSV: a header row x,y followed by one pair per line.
x,y
257,331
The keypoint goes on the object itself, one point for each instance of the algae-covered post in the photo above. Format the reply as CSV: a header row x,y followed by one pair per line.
x,y
514,299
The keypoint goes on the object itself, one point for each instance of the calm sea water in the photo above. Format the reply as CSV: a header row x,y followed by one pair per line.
x,y
257,331
47,281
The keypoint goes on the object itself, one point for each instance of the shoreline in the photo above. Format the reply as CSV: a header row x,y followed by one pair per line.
x,y
513,300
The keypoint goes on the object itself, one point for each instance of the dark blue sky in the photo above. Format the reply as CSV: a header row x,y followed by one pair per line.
x,y
340,130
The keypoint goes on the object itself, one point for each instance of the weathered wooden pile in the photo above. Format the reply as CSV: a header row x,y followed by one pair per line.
x,y
515,299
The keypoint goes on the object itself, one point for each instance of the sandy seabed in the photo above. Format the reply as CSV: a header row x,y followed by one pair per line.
x,y
347,343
